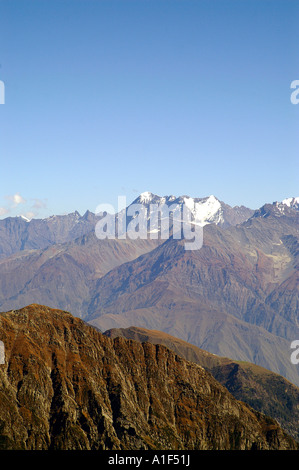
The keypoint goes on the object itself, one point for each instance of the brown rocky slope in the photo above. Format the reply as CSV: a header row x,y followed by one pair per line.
x,y
263,390
64,385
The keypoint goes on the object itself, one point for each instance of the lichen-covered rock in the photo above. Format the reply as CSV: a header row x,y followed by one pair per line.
x,y
66,386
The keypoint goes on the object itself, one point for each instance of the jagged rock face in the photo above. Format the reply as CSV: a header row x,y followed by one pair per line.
x,y
269,393
64,385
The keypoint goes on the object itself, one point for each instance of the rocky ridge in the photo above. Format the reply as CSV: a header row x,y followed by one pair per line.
x,y
66,386
260,388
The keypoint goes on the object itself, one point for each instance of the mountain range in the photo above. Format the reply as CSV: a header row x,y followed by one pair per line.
x,y
236,297
61,254
21,234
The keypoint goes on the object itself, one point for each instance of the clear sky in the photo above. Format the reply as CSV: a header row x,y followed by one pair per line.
x,y
116,97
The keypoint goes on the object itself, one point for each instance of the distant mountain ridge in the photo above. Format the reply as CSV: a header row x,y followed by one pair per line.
x,y
19,233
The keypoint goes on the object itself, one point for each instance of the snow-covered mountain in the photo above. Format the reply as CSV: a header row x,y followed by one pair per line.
x,y
207,210
290,202
288,206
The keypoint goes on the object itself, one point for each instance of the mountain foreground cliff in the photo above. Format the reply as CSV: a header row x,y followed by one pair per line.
x,y
263,390
65,386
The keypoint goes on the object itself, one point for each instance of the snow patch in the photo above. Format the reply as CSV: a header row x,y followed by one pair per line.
x,y
204,211
208,211
146,197
291,201
24,218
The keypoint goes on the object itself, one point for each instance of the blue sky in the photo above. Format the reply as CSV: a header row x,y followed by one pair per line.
x,y
106,98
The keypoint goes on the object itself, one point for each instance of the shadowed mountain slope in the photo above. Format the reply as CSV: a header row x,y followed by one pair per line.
x,y
63,275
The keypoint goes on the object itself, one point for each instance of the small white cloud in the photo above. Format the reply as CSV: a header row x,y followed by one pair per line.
x,y
18,205
16,199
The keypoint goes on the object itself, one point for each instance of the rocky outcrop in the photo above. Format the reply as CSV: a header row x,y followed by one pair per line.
x,y
64,385
260,388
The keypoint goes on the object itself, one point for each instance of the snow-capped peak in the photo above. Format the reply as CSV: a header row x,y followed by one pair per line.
x,y
208,210
146,197
204,210
291,201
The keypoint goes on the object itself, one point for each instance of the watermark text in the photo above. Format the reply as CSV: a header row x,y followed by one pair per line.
x,y
295,354
2,92
155,221
295,94
2,353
